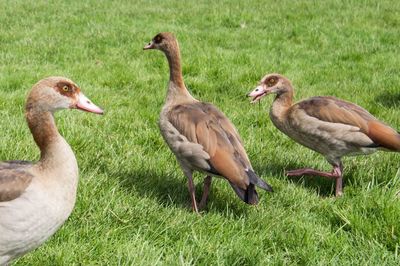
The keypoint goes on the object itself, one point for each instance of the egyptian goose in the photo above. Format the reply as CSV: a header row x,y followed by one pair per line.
x,y
36,198
202,137
327,125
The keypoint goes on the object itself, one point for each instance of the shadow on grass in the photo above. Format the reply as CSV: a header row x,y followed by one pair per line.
x,y
388,99
169,190
324,187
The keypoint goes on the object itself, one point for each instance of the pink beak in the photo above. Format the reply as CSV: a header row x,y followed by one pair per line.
x,y
149,46
86,105
257,93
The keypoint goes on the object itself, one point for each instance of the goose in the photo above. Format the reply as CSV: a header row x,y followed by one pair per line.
x,y
37,198
201,136
325,124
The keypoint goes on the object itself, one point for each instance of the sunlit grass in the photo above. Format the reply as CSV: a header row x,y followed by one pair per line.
x,y
133,204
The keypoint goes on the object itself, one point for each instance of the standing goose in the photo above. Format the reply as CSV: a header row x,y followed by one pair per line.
x,y
202,137
330,126
36,198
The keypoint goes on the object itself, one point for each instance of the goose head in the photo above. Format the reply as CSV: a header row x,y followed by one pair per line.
x,y
55,93
164,41
270,84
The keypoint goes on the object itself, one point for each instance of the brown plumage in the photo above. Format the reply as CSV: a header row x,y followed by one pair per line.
x,y
330,126
201,136
13,179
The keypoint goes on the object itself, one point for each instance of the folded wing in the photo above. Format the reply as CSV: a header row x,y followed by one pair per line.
x,y
330,109
13,179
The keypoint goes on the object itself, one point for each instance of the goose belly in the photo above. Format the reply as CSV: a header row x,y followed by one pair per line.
x,y
29,220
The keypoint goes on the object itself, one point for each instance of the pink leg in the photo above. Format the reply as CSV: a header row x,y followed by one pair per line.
x,y
206,192
192,194
339,180
337,174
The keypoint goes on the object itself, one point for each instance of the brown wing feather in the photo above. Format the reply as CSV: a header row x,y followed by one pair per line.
x,y
331,109
204,124
13,179
233,135
384,135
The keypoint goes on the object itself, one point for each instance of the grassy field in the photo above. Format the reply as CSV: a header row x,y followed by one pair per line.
x,y
133,204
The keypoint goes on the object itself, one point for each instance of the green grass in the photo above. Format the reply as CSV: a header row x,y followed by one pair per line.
x,y
133,205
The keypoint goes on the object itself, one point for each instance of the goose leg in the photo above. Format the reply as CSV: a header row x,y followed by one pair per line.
x,y
310,171
337,174
206,192
339,179
192,193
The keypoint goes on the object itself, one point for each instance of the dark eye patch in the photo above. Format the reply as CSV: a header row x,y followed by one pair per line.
x,y
65,88
271,81
158,39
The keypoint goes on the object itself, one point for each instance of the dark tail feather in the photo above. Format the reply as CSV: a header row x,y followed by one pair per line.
x,y
254,179
249,195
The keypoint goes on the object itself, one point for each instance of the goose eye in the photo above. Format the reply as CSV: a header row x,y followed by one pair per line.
x,y
65,88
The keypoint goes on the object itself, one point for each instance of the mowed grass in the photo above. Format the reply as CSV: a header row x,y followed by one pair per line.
x,y
133,205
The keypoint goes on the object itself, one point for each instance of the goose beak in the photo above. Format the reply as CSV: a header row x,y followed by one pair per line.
x,y
86,105
150,45
257,94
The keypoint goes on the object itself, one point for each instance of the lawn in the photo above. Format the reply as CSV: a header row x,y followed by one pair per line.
x,y
133,205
